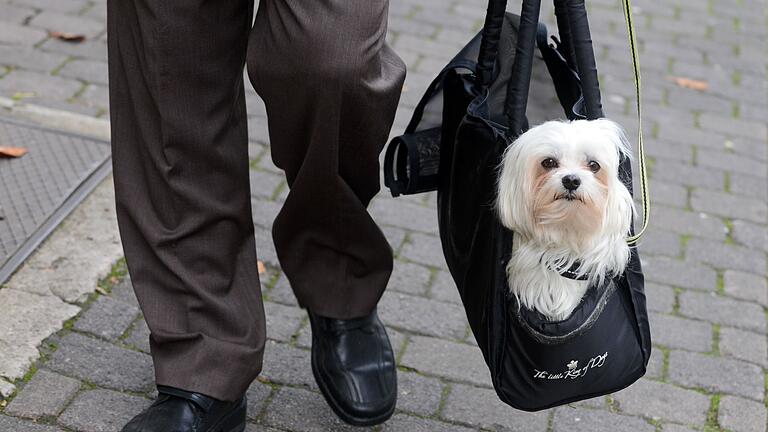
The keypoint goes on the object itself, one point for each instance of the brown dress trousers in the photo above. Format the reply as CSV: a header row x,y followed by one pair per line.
x,y
330,84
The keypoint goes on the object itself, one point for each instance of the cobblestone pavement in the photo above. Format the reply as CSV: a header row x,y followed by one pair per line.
x,y
705,255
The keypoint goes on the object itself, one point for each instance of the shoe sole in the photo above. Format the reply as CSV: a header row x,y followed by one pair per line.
x,y
234,421
336,407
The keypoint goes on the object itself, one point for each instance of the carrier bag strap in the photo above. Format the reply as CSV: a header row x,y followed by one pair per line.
x,y
520,79
642,174
489,44
585,57
564,29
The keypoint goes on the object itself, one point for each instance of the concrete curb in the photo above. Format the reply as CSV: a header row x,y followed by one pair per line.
x,y
49,287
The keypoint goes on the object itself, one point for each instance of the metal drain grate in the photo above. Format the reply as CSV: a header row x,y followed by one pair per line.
x,y
39,189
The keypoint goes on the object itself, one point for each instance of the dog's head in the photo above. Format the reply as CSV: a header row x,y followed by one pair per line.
x,y
559,183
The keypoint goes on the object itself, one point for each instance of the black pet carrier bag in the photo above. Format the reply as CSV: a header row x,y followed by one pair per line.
x,y
472,111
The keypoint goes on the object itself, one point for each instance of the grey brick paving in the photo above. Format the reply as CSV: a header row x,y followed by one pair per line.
x,y
704,256
46,394
662,401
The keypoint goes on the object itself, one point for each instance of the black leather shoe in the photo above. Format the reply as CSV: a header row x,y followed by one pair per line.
x,y
182,411
354,366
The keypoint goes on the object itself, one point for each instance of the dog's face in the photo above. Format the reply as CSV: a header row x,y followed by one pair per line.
x,y
559,183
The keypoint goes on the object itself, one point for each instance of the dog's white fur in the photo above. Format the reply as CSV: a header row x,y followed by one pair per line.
x,y
554,230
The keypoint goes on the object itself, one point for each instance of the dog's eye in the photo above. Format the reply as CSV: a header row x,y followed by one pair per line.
x,y
593,166
549,163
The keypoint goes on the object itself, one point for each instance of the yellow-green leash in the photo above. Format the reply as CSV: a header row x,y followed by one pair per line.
x,y
643,174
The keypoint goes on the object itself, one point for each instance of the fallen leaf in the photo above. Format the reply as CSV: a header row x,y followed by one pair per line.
x,y
12,151
66,37
690,83
261,267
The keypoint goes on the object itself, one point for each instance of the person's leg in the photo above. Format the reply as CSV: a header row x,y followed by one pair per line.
x,y
180,158
331,85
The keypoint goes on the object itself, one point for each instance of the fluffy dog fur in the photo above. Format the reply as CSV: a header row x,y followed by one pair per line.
x,y
556,227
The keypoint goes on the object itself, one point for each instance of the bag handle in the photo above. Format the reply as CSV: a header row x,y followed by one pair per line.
x,y
520,79
581,41
489,44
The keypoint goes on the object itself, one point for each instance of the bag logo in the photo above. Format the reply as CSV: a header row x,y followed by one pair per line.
x,y
572,370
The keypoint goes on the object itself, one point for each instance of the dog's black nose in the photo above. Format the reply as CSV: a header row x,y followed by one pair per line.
x,y
571,182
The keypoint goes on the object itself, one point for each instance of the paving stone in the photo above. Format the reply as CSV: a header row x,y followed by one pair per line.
x,y
660,242
264,184
29,58
661,401
423,316
746,286
725,256
409,278
94,95
750,235
695,224
107,318
425,250
659,298
390,211
302,410
123,292
585,420
405,423
744,345
257,395
13,34
68,6
727,205
418,394
749,185
90,49
444,288
138,337
655,366
680,333
722,310
716,374
265,248
679,273
86,70
36,86
44,395
102,411
18,425
282,292
264,213
741,415
56,21
455,361
15,14
6,389
395,237
282,321
102,363
684,174
481,407
284,364
26,320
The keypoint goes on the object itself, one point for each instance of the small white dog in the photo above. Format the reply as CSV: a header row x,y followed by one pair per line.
x,y
560,193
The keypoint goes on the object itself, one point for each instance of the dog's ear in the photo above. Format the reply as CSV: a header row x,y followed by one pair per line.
x,y
616,134
513,190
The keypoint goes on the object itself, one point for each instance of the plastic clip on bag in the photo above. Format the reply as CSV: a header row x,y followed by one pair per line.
x,y
475,108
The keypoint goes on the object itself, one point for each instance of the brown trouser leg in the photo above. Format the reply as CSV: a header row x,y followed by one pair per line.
x,y
331,85
180,163
180,159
